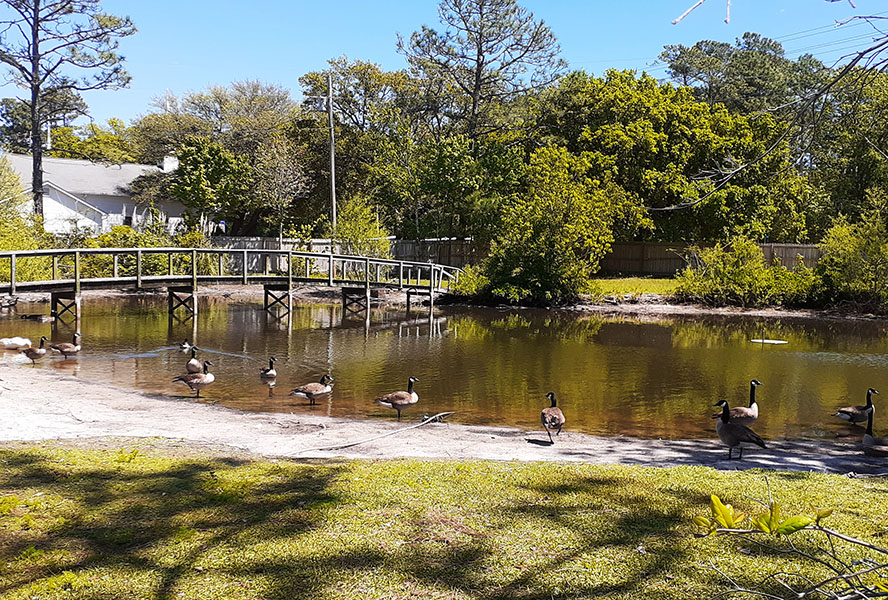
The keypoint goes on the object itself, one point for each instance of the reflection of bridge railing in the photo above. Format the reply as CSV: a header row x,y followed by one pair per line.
x,y
98,268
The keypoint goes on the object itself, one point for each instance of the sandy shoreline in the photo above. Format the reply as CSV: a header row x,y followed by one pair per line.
x,y
38,405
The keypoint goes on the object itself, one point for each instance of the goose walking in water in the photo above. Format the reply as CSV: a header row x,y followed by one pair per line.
x,y
310,391
66,349
193,365
198,381
745,415
400,400
268,373
857,414
873,446
552,418
734,434
36,353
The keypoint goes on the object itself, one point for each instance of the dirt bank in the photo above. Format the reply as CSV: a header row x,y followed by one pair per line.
x,y
40,405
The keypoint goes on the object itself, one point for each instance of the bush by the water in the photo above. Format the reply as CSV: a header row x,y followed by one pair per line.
x,y
854,264
736,274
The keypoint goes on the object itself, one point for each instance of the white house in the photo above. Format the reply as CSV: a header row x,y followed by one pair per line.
x,y
81,193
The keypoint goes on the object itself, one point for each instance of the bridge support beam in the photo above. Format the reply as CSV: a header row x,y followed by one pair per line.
x,y
66,301
278,294
355,300
183,296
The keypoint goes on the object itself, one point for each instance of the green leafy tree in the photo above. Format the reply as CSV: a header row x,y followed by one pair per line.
x,y
359,231
58,107
93,142
552,238
45,41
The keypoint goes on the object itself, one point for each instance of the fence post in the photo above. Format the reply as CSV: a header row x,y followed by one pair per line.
x,y
138,269
12,274
77,272
55,266
193,270
245,267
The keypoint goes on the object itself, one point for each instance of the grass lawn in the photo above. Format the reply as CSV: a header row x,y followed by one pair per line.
x,y
635,285
116,524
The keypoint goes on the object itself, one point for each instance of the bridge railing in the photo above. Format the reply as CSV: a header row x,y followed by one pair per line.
x,y
37,269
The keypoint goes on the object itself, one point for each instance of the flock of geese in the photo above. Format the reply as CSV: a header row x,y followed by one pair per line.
x,y
733,425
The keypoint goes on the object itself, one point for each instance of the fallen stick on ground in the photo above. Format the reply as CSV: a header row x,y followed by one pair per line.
x,y
426,421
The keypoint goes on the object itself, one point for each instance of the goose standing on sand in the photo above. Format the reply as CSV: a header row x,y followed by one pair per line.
x,y
268,373
36,353
193,365
198,381
552,418
745,415
400,400
857,414
873,446
67,349
15,343
310,391
734,434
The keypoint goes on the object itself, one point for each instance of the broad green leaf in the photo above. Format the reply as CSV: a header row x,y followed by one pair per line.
x,y
823,513
793,524
763,522
702,522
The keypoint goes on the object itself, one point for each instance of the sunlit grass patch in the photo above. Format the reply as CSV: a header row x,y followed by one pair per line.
x,y
635,286
162,527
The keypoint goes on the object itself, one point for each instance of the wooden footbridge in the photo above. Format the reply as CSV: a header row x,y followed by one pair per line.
x,y
64,273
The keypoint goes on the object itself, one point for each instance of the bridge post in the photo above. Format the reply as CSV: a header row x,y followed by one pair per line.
x,y
55,267
139,269
170,263
193,269
245,267
12,275
77,273
431,288
220,264
401,275
330,274
116,265
289,282
367,283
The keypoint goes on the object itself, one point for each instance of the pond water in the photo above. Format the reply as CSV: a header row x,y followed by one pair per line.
x,y
611,376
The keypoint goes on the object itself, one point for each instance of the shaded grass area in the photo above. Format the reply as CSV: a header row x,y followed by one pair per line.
x,y
128,524
635,286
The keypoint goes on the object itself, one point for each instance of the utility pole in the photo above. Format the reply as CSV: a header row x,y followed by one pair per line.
x,y
332,150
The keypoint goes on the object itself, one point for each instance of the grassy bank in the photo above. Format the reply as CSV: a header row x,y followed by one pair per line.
x,y
132,524
635,285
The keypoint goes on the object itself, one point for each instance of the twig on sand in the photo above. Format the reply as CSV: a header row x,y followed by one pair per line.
x,y
426,421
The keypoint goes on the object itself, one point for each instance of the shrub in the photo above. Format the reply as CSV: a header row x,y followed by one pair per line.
x,y
359,231
854,261
737,274
472,282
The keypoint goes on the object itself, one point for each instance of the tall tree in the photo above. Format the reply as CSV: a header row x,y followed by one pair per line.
x,y
490,50
58,108
45,41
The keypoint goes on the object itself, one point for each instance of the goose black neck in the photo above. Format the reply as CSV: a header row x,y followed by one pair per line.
x,y
869,423
42,341
409,386
193,351
206,368
752,387
726,412
553,401
270,364
869,397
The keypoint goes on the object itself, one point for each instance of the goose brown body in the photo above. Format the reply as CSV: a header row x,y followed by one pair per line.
x,y
734,434
873,446
66,349
198,381
36,353
314,389
857,414
400,400
552,418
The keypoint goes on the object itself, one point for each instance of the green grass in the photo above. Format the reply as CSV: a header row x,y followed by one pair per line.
x,y
113,524
635,286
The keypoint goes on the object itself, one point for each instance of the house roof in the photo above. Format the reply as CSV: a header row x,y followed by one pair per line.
x,y
80,177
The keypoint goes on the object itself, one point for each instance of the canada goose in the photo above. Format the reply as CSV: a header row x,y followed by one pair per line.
x,y
193,365
35,353
15,343
314,389
734,434
873,446
198,381
745,415
400,400
185,346
268,373
67,349
552,418
857,414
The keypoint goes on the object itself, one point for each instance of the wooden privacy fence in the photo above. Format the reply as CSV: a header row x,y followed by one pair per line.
x,y
652,258
48,270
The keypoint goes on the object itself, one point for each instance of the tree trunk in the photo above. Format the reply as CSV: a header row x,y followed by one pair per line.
x,y
36,134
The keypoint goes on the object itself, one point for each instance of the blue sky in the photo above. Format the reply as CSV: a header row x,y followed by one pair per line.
x,y
189,44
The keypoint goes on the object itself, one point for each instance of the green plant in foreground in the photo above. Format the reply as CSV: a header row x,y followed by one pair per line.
x,y
825,572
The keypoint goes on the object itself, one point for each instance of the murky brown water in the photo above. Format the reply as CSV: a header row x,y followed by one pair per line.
x,y
612,377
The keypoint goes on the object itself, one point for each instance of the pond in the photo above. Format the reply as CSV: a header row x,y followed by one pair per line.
x,y
612,376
